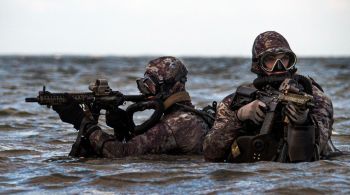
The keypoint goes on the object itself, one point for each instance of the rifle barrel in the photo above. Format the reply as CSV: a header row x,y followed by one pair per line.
x,y
31,99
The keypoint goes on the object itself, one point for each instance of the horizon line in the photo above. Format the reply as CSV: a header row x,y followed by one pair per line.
x,y
154,55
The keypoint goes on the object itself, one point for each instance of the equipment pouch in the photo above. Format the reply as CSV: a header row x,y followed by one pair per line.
x,y
255,148
301,143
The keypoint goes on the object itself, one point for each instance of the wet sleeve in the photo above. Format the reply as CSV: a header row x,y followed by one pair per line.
x,y
225,130
156,140
322,116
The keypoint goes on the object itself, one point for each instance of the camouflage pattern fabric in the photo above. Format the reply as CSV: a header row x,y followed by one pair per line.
x,y
225,130
227,127
170,71
178,132
322,116
166,68
269,41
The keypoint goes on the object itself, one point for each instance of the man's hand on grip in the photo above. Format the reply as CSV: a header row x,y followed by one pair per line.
x,y
253,111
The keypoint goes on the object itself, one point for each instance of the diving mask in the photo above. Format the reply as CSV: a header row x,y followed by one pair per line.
x,y
272,62
147,86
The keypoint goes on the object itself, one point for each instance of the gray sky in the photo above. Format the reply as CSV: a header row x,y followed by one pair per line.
x,y
164,27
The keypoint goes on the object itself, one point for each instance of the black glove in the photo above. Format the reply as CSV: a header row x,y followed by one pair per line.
x,y
296,114
95,111
71,112
120,122
82,146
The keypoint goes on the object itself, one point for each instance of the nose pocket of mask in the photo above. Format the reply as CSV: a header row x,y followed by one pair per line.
x,y
279,66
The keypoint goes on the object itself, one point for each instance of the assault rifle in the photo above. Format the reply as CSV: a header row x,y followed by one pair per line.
x,y
101,95
264,146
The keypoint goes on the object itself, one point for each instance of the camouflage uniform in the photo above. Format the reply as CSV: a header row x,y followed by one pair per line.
x,y
227,126
178,131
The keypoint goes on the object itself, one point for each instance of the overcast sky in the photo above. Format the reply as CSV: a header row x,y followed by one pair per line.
x,y
164,27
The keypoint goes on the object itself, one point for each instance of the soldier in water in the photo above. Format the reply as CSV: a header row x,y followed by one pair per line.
x,y
180,130
308,132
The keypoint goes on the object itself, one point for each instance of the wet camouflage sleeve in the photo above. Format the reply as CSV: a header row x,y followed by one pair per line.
x,y
322,116
225,129
177,133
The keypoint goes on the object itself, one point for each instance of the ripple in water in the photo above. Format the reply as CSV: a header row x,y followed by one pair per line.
x,y
34,144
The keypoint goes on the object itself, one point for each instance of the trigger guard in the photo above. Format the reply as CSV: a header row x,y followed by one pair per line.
x,y
155,105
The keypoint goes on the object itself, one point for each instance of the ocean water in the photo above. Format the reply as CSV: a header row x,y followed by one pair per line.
x,y
34,143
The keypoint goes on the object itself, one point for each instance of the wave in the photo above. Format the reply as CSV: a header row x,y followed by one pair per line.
x,y
15,112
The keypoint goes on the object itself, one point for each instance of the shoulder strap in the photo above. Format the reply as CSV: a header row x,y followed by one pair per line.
x,y
243,95
206,116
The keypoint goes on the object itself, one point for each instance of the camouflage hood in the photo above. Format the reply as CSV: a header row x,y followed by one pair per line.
x,y
269,41
170,74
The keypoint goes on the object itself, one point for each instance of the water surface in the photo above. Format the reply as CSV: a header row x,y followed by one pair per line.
x,y
34,143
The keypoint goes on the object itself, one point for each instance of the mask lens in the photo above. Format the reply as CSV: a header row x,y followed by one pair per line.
x,y
285,61
290,61
268,62
146,86
142,88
